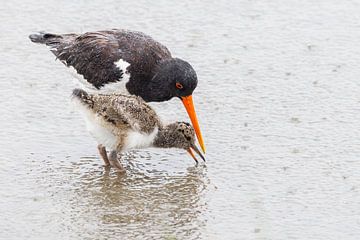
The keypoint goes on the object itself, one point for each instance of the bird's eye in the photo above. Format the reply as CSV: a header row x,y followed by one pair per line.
x,y
179,86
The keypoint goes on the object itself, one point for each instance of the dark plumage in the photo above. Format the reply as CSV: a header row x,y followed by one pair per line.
x,y
153,72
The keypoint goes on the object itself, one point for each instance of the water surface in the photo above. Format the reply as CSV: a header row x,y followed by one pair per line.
x,y
278,103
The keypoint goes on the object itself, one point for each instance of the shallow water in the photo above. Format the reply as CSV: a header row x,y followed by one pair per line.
x,y
278,102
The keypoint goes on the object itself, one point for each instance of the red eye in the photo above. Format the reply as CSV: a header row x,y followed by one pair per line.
x,y
179,85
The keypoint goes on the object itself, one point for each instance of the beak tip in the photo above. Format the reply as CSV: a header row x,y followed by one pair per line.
x,y
203,149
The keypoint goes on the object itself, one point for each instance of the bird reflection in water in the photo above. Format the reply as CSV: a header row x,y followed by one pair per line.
x,y
146,202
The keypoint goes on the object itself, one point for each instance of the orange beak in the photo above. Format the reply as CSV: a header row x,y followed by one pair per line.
x,y
189,106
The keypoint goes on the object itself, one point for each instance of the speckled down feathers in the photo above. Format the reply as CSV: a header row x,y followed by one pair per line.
x,y
124,115
122,110
178,134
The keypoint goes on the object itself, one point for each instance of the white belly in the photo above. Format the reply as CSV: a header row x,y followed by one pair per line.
x,y
138,140
103,135
97,127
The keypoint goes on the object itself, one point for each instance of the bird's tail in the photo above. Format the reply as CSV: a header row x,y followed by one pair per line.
x,y
83,97
54,41
45,38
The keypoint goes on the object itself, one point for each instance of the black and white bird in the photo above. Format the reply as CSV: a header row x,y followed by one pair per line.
x,y
122,122
127,62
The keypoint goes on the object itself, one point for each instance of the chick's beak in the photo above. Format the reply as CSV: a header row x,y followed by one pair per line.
x,y
194,148
192,155
189,106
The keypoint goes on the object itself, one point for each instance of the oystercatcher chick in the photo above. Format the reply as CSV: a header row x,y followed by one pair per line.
x,y
129,62
122,122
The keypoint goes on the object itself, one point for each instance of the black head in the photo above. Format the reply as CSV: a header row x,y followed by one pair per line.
x,y
174,78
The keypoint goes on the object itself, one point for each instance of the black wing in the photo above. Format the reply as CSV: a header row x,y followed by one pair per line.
x,y
94,54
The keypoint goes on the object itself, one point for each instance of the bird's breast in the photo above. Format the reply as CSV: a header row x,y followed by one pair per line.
x,y
137,139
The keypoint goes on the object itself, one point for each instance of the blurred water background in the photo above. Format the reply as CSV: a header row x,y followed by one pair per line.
x,y
278,102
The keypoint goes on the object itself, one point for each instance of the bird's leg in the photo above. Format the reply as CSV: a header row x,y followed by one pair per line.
x,y
103,154
115,163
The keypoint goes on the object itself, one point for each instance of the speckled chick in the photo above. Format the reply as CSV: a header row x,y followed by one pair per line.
x,y
122,122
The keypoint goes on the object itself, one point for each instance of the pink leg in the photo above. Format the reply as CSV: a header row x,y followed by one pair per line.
x,y
103,154
115,163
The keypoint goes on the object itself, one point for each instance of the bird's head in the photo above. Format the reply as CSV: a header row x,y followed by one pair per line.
x,y
179,135
173,78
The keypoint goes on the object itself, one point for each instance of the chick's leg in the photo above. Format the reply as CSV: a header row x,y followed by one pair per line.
x,y
103,154
115,163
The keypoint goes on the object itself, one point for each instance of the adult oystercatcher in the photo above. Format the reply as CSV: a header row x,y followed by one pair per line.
x,y
122,122
127,62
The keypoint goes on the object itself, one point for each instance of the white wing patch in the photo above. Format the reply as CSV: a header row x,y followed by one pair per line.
x,y
112,87
123,65
120,86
